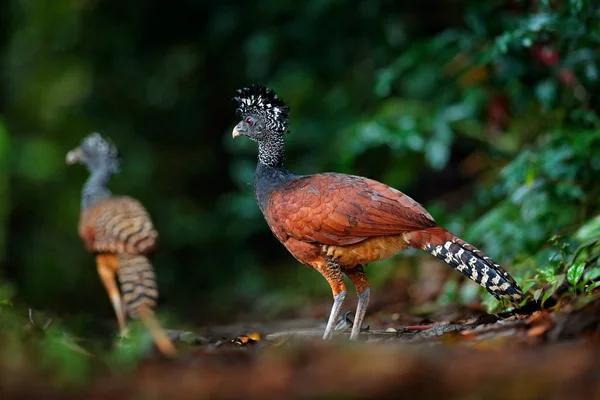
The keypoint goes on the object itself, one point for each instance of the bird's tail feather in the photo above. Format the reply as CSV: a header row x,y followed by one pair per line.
x,y
138,283
469,261
140,294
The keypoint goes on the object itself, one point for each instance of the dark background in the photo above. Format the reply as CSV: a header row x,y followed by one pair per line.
x,y
486,112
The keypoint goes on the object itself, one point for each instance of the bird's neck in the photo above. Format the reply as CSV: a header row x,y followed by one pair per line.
x,y
271,152
95,188
267,178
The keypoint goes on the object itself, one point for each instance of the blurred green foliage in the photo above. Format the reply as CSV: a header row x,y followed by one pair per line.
x,y
486,112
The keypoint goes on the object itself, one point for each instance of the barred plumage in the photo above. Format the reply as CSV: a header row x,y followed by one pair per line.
x,y
121,225
119,231
138,283
478,267
118,225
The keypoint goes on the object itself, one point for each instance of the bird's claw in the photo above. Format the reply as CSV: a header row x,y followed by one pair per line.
x,y
123,334
346,322
35,325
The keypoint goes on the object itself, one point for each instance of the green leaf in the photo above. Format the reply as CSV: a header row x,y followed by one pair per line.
x,y
547,295
591,274
489,303
528,286
559,280
590,230
591,287
575,273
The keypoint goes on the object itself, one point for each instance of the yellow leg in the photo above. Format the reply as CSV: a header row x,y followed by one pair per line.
x,y
107,265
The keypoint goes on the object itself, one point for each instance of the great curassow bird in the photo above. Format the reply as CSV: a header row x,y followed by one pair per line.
x,y
119,232
338,223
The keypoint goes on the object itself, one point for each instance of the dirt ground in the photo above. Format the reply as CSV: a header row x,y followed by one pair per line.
x,y
463,354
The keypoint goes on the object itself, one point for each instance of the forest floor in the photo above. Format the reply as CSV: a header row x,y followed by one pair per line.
x,y
450,352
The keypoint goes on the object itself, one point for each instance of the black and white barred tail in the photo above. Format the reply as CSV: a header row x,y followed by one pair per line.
x,y
138,284
478,267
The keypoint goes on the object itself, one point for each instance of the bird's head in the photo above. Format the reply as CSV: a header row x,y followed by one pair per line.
x,y
96,152
264,115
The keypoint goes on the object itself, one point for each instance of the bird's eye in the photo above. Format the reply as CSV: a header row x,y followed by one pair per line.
x,y
249,121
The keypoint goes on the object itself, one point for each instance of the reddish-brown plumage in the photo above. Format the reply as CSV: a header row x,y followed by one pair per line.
x,y
350,214
337,223
351,219
337,209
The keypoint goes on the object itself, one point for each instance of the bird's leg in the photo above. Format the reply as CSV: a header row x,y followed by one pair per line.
x,y
332,272
360,281
107,265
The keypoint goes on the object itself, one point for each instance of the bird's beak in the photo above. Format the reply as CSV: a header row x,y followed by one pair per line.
x,y
239,130
73,156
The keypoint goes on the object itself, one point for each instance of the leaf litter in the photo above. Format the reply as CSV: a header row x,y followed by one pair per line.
x,y
541,353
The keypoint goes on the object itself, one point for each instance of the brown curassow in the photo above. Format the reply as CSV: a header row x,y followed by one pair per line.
x,y
338,223
119,232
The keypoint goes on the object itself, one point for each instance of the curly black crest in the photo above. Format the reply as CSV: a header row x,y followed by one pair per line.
x,y
260,100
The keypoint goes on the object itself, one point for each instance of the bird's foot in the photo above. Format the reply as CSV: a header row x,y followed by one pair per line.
x,y
346,322
123,334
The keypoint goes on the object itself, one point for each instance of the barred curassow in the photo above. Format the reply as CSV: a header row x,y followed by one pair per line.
x,y
338,223
120,233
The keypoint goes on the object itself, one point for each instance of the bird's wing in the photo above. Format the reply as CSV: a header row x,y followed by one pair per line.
x,y
118,225
338,209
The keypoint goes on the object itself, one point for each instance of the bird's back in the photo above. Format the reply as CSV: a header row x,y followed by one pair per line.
x,y
121,228
117,225
339,209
